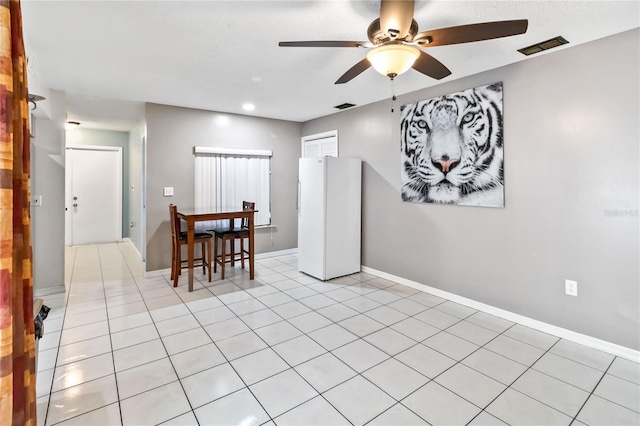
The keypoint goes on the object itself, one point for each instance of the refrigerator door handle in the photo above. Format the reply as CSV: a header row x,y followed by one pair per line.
x,y
298,198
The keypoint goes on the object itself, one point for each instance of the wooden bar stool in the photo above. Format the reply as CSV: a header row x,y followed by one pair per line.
x,y
232,234
179,239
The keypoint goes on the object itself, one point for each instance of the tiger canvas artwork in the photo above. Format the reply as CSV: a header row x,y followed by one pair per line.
x,y
452,149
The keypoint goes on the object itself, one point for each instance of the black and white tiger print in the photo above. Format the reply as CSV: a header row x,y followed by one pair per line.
x,y
452,149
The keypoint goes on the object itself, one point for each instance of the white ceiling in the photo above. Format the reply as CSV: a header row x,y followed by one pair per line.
x,y
110,57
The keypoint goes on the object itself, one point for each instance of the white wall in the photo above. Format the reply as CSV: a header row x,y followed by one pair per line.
x,y
172,132
571,132
47,180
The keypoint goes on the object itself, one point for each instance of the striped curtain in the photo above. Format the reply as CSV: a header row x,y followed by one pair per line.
x,y
17,344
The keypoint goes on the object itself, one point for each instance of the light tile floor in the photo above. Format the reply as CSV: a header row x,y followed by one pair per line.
x,y
287,349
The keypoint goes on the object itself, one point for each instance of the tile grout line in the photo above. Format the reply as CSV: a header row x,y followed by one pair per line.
x,y
483,409
460,362
320,394
251,329
332,322
110,341
575,418
235,370
226,358
331,351
66,307
68,297
113,358
153,321
55,365
519,376
285,361
442,372
359,337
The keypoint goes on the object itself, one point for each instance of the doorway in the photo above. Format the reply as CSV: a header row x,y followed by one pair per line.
x,y
93,195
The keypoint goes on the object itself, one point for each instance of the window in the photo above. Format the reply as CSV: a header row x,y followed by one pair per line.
x,y
320,145
226,177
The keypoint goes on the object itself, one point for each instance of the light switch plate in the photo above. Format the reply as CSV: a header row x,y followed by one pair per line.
x,y
167,191
37,200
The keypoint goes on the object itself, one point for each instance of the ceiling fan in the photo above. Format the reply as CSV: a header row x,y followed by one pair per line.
x,y
396,41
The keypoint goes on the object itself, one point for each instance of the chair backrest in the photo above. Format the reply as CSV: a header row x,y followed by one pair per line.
x,y
247,205
175,223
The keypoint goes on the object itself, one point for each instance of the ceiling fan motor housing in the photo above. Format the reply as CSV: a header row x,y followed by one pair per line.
x,y
378,37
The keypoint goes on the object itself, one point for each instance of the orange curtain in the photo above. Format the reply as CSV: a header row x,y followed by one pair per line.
x,y
17,343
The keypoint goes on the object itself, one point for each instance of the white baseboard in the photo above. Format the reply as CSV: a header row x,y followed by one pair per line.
x,y
133,246
583,339
47,291
167,271
276,253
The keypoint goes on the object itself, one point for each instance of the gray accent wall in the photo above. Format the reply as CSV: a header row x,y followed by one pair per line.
x,y
92,137
47,180
172,132
571,132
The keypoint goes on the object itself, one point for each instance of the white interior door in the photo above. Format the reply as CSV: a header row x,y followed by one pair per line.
x,y
94,195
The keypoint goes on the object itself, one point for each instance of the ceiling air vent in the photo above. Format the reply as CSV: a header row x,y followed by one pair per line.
x,y
344,106
544,45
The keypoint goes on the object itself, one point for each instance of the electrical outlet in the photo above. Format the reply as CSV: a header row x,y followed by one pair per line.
x,y
571,287
167,191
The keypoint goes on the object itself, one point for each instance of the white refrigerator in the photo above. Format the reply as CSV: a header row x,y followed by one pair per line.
x,y
329,212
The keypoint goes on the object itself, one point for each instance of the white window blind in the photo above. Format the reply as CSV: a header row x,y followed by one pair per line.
x,y
226,178
320,145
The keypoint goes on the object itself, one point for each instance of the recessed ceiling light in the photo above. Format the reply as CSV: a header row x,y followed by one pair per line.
x,y
248,107
257,79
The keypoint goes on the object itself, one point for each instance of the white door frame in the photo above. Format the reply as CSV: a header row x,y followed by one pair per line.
x,y
68,234
143,210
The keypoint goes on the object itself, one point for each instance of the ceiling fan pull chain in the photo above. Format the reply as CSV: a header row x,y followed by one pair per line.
x,y
393,94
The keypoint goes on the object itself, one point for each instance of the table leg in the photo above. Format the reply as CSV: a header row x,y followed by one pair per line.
x,y
251,246
190,250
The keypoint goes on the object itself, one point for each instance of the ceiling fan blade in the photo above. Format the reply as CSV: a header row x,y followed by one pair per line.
x,y
472,32
430,66
396,17
324,44
354,71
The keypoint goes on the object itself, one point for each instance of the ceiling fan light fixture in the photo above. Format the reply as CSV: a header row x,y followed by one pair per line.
x,y
393,59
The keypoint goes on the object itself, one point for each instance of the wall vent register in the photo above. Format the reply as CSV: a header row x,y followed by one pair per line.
x,y
344,106
544,45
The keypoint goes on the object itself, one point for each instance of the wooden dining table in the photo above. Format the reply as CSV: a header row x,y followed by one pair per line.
x,y
191,216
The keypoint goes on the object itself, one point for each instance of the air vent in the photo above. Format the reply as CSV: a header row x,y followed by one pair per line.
x,y
545,45
344,106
